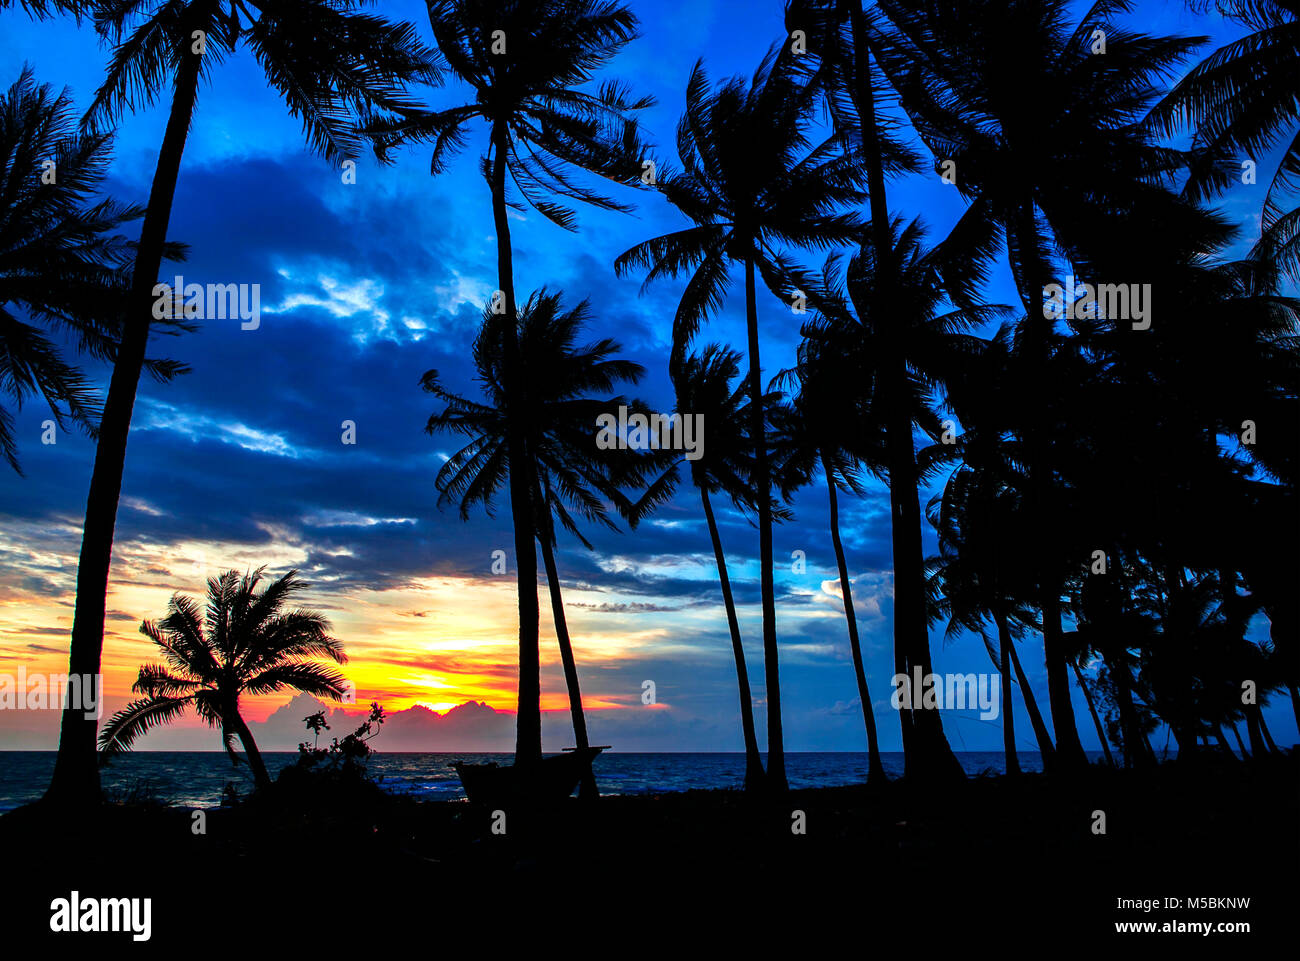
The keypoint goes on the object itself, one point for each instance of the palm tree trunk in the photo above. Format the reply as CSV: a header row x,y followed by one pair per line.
x,y
1096,720
875,769
771,662
1008,715
528,725
588,789
1045,748
1258,748
925,748
1222,739
1263,729
1069,750
1240,744
753,761
255,762
931,757
76,773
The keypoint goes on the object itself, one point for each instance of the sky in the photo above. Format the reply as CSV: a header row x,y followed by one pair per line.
x,y
364,287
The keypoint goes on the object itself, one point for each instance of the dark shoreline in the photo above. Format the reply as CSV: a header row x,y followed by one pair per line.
x,y
963,863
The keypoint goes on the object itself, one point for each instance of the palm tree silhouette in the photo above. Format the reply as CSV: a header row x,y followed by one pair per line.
x,y
63,263
1047,147
888,320
525,61
569,473
178,44
752,181
244,643
983,571
42,9
1237,118
815,438
703,386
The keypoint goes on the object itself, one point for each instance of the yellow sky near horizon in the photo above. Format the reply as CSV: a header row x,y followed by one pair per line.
x,y
437,641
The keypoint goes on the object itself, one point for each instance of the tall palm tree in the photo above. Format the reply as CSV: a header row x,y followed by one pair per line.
x,y
572,478
888,320
703,385
1048,147
333,66
816,439
63,262
526,62
244,643
753,181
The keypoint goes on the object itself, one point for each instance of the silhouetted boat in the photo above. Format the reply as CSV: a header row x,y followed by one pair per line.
x,y
554,779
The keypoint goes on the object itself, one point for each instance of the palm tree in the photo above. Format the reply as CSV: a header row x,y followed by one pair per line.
x,y
973,516
815,438
703,386
570,474
526,62
752,181
244,643
1048,148
887,320
63,263
176,44
1241,102
983,571
42,9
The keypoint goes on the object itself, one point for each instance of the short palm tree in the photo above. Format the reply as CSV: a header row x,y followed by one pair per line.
x,y
526,62
334,67
572,478
244,643
63,262
753,181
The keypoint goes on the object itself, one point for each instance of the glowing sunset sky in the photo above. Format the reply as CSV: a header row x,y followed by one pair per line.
x,y
363,288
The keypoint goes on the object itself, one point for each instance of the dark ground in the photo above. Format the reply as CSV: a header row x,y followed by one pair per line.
x,y
989,864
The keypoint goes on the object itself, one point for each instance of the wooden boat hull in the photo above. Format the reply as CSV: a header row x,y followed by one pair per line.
x,y
554,779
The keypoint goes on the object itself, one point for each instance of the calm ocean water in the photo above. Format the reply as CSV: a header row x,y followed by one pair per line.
x,y
198,778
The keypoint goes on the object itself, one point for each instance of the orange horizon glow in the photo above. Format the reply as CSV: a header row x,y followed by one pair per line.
x,y
438,642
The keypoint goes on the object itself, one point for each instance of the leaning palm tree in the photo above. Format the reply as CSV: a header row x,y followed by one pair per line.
x,y
63,262
703,386
571,477
244,643
526,62
333,66
753,181
815,439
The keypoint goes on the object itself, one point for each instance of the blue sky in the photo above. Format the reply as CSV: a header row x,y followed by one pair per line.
x,y
364,287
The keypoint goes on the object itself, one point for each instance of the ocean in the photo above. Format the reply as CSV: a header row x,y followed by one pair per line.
x,y
198,778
